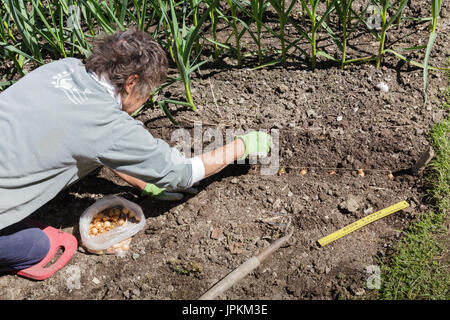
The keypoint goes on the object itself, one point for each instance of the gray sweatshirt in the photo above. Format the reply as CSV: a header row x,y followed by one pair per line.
x,y
57,124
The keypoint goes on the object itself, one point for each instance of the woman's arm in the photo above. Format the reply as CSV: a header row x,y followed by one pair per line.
x,y
218,159
213,162
135,182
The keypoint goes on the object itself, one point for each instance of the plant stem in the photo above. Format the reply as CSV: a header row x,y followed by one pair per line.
x,y
235,30
258,8
344,52
344,38
213,17
194,9
259,45
328,18
314,50
187,87
282,26
381,48
383,14
313,39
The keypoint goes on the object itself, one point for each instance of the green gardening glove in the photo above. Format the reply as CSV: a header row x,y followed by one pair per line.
x,y
162,194
256,143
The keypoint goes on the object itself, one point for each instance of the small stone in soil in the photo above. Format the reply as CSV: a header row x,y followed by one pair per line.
x,y
283,88
350,205
382,87
136,292
216,233
311,113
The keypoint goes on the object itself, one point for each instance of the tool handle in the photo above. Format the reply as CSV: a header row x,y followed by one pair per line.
x,y
270,249
233,277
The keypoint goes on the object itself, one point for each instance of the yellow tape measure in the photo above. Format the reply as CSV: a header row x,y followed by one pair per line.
x,y
362,222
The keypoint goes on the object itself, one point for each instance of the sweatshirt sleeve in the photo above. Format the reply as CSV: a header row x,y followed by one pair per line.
x,y
134,151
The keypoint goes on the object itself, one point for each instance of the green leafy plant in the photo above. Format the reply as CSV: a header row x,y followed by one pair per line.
x,y
213,16
435,8
258,8
233,20
183,38
349,21
35,31
24,21
283,13
386,22
10,51
42,29
310,7
234,25
256,17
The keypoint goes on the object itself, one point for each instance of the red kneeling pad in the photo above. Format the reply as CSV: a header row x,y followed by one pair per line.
x,y
58,239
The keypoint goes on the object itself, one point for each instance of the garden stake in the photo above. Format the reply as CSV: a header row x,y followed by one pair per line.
x,y
247,267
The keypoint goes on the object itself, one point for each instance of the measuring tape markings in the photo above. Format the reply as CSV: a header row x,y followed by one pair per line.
x,y
362,222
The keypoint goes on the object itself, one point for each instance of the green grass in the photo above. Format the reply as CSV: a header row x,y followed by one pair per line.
x,y
419,266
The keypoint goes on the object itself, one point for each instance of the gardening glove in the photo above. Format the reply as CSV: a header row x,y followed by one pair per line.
x,y
164,195
256,143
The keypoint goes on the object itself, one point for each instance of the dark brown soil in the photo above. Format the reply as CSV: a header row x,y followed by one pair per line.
x,y
328,119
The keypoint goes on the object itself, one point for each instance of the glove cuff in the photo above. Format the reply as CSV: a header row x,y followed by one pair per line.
x,y
244,139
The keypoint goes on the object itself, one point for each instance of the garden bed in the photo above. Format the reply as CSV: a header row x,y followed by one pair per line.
x,y
328,119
